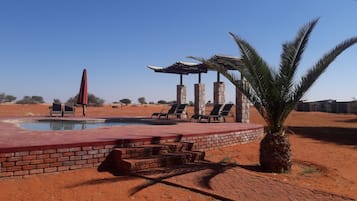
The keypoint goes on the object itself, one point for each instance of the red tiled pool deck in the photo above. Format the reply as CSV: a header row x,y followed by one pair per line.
x,y
27,152
24,152
14,138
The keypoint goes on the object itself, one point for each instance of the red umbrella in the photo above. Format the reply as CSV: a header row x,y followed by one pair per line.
x,y
83,93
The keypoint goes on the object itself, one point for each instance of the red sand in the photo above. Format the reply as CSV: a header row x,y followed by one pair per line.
x,y
324,152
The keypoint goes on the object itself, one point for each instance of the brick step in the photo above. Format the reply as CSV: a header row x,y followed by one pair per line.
x,y
157,149
153,156
138,164
191,156
140,152
187,167
152,149
195,155
132,152
179,146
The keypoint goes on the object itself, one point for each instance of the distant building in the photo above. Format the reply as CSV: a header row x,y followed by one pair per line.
x,y
342,107
353,107
330,106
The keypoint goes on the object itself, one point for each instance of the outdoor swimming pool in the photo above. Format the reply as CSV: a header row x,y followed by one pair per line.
x,y
57,125
82,124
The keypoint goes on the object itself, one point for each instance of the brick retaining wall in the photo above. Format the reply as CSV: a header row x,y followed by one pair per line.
x,y
214,141
23,163
36,160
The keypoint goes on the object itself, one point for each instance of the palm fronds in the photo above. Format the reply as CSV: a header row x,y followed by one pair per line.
x,y
274,93
314,73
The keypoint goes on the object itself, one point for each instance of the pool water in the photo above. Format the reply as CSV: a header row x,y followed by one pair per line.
x,y
58,125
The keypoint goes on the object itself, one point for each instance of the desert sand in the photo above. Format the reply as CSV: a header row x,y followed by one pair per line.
x,y
324,158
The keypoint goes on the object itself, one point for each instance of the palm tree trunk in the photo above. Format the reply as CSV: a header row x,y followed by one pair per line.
x,y
275,153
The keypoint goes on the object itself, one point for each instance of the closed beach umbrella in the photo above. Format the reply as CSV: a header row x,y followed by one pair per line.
x,y
83,92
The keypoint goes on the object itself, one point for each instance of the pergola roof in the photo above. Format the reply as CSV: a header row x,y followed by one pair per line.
x,y
227,61
183,68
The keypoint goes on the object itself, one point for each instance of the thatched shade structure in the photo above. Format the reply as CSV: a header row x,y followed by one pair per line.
x,y
226,62
182,68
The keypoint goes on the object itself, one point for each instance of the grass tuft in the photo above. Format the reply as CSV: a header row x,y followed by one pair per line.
x,y
309,170
227,160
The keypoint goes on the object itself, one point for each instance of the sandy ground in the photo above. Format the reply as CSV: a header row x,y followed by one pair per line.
x,y
324,152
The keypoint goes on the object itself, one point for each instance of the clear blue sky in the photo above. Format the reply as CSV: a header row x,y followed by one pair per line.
x,y
44,45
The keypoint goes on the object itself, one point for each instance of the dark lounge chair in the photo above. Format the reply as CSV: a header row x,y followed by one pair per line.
x,y
69,109
225,111
181,111
161,114
215,113
56,109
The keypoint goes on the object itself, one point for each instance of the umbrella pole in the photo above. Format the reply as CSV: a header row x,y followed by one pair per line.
x,y
84,110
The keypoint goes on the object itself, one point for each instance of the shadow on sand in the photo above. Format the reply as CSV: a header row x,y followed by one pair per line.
x,y
102,181
341,136
162,176
348,121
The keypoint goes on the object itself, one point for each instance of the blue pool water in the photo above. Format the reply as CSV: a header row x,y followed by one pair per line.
x,y
57,125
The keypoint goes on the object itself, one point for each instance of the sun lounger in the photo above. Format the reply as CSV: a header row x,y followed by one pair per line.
x,y
56,109
218,112
161,114
181,111
69,109
215,112
225,111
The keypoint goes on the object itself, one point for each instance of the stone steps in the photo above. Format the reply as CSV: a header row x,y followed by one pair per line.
x,y
179,146
196,155
153,156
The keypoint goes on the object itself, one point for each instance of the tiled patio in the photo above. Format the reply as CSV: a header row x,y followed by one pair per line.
x,y
26,152
13,137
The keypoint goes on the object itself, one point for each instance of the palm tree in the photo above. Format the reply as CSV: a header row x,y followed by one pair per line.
x,y
275,93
